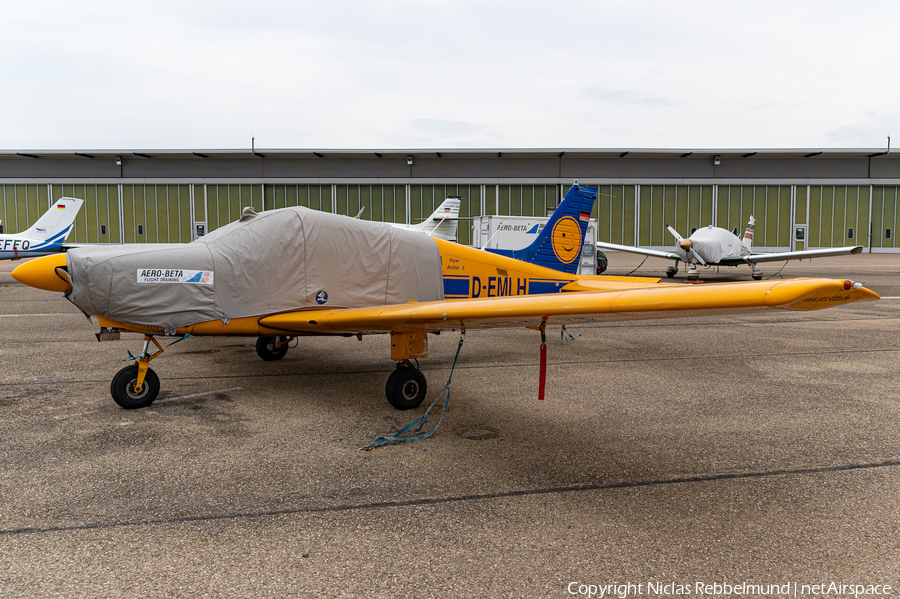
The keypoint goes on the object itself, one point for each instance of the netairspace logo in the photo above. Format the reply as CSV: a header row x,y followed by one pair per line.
x,y
624,590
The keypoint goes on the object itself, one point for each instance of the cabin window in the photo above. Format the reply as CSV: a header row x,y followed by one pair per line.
x,y
734,231
140,229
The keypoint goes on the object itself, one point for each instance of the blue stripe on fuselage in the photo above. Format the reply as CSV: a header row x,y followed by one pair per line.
x,y
456,287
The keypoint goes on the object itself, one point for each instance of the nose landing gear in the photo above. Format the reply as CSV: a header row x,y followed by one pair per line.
x,y
137,386
271,349
129,393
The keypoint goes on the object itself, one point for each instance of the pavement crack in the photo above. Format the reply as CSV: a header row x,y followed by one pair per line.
x,y
455,498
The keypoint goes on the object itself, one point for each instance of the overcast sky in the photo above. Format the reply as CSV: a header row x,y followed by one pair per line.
x,y
398,74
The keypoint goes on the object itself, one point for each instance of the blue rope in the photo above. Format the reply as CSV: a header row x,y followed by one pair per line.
x,y
564,332
419,422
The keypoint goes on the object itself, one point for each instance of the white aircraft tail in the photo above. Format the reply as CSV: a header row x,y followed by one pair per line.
x,y
56,223
443,222
747,240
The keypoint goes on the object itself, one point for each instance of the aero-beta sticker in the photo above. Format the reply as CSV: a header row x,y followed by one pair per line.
x,y
174,275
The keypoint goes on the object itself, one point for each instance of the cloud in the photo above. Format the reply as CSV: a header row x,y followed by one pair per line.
x,y
441,73
870,130
621,97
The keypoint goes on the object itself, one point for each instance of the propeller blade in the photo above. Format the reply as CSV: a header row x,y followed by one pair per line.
x,y
675,233
692,250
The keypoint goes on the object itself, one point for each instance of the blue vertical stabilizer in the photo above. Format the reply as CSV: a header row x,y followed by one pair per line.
x,y
558,245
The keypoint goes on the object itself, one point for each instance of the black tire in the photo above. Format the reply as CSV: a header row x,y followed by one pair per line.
x,y
602,263
670,274
265,349
387,385
122,388
406,388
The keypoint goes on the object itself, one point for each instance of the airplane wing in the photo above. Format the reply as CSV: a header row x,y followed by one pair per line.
x,y
650,302
802,255
636,250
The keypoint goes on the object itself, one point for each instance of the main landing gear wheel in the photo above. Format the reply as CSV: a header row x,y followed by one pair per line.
x,y
406,388
268,351
122,388
670,271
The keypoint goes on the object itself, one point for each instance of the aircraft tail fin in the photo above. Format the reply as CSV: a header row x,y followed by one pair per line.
x,y
558,244
56,224
443,222
747,240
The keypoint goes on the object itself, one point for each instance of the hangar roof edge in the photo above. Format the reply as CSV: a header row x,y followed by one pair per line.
x,y
440,152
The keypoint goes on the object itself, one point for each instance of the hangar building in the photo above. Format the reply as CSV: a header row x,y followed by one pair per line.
x,y
802,199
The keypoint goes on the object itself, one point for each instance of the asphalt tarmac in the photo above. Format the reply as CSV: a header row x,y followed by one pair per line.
x,y
742,450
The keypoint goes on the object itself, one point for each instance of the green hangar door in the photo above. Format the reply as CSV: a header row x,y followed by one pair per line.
x,y
98,219
884,218
771,208
156,213
838,215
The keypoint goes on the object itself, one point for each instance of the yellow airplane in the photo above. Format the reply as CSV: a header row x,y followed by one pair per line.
x,y
296,272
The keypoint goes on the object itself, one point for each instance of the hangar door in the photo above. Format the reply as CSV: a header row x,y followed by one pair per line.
x,y
838,215
316,197
683,207
615,212
384,203
21,206
884,217
156,213
98,219
770,205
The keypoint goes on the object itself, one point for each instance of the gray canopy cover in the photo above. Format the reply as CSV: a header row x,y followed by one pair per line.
x,y
271,262
714,243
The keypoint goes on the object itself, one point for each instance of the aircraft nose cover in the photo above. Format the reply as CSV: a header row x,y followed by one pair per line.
x,y
277,261
714,244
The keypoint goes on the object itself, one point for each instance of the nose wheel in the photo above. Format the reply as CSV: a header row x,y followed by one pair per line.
x,y
272,348
406,387
128,394
693,274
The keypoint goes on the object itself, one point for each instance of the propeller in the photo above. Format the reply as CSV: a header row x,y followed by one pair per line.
x,y
686,245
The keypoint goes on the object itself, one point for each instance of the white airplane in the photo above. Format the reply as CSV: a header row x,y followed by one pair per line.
x,y
443,222
714,246
46,236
